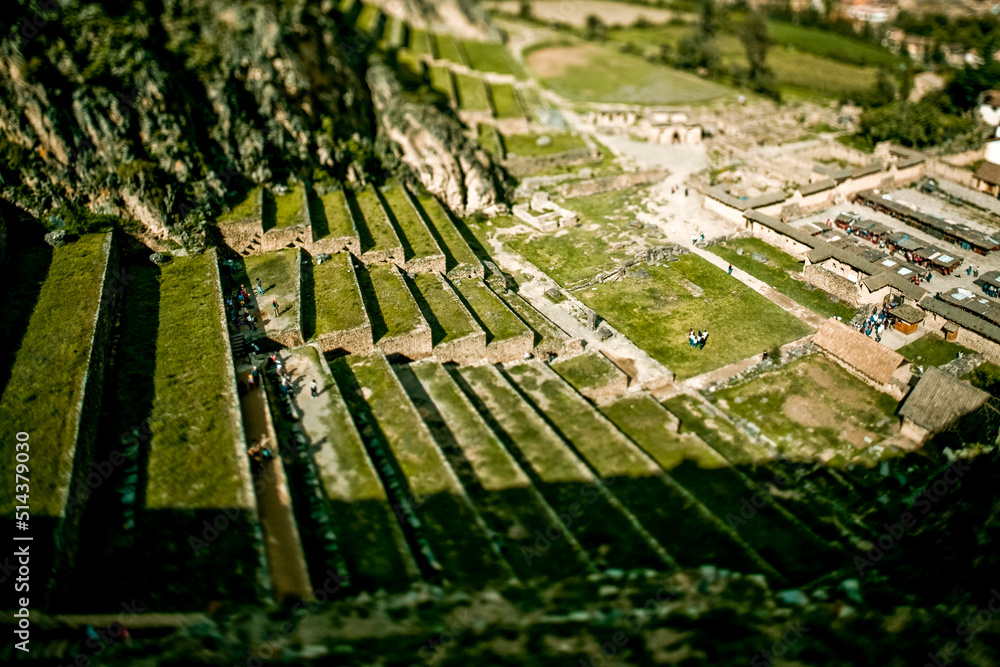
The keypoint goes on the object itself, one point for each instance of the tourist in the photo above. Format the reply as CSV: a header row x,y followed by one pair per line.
x,y
702,339
763,356
255,374
968,270
313,390
251,322
685,192
975,272
250,383
260,289
730,269
274,304
241,300
694,239
702,236
691,338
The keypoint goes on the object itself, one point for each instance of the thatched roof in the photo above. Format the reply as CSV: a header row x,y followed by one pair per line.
x,y
858,351
939,399
817,186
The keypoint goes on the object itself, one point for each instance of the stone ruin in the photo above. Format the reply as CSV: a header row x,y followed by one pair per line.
x,y
550,216
632,268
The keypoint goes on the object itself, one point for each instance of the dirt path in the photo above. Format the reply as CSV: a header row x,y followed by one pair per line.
x,y
645,371
285,561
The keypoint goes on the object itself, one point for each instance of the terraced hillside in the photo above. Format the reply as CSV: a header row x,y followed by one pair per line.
x,y
472,476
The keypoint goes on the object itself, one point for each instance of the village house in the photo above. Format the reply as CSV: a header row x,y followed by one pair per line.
x,y
874,363
936,403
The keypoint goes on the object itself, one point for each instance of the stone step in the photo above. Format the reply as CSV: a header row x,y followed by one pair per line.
x,y
683,525
608,532
457,536
507,500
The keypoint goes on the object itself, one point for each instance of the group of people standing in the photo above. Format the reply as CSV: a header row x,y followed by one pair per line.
x,y
876,323
243,310
697,338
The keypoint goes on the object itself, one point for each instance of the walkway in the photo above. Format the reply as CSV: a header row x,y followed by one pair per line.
x,y
643,370
286,562
774,296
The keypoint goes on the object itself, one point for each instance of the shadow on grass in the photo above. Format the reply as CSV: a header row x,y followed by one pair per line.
x,y
379,327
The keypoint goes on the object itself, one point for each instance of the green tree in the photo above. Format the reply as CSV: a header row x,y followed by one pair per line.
x,y
595,28
709,24
756,42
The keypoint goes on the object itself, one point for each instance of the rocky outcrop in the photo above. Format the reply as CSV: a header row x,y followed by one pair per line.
x,y
433,144
160,113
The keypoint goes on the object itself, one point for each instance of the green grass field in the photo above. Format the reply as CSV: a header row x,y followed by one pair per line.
x,y
690,293
776,274
398,310
249,207
419,240
448,319
591,73
338,301
447,48
456,250
527,144
811,406
932,351
505,101
580,253
420,43
489,139
440,78
46,382
471,93
288,207
491,57
496,319
332,208
377,234
193,458
587,371
798,53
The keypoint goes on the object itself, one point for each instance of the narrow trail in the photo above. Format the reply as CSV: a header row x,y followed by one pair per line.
x,y
644,371
286,562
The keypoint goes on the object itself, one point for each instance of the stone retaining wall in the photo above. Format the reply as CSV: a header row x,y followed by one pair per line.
x,y
431,264
88,411
510,349
830,282
417,344
463,351
609,183
519,165
353,341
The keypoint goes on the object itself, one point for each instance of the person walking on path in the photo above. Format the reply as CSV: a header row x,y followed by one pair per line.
x,y
255,375
251,322
968,270
250,382
312,389
274,304
730,269
260,288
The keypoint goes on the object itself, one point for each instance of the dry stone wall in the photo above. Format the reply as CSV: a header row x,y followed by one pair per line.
x,y
827,281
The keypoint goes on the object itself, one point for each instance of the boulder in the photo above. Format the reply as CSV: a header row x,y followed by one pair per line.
x,y
757,257
604,334
640,274
544,140
57,238
323,257
159,258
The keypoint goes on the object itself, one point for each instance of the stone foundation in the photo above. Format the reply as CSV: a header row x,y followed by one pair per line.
x,y
830,282
392,255
609,183
522,165
414,345
432,264
351,244
353,341
466,350
510,349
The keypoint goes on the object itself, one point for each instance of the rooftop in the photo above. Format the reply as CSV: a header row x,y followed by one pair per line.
x,y
939,399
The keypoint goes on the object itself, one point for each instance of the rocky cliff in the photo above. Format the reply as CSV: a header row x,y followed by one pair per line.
x,y
434,146
160,112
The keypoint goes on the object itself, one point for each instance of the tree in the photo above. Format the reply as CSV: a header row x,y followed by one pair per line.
x,y
709,24
595,28
756,41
